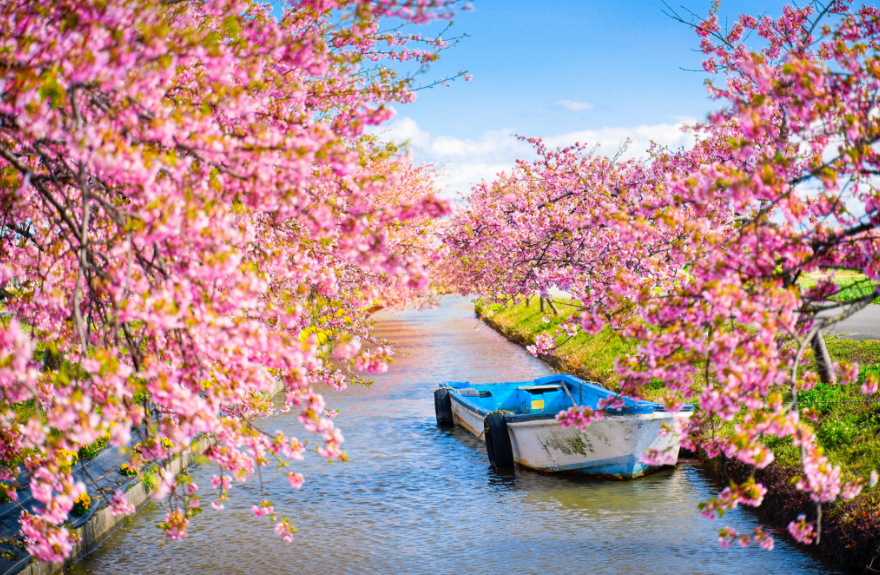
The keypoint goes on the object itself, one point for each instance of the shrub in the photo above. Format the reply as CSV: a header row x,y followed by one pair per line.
x,y
81,504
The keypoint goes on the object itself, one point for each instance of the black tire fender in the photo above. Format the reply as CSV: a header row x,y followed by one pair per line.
x,y
498,441
443,408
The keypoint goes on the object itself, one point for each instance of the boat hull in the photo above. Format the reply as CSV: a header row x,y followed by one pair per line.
x,y
612,446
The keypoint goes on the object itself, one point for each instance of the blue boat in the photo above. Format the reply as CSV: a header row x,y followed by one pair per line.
x,y
517,421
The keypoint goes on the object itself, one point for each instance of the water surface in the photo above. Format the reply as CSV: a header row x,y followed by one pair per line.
x,y
415,499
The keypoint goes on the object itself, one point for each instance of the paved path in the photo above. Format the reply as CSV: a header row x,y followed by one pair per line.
x,y
864,324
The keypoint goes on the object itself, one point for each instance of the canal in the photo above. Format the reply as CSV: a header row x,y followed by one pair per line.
x,y
416,499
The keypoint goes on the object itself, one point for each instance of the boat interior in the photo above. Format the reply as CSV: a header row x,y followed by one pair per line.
x,y
547,395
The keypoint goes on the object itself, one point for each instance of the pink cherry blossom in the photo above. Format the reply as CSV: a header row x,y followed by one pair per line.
x,y
285,530
801,530
265,508
296,480
119,505
175,524
579,417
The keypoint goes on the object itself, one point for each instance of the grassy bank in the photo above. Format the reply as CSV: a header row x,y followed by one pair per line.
x,y
847,425
590,357
851,287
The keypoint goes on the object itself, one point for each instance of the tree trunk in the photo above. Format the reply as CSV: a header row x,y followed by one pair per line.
x,y
824,365
51,360
823,360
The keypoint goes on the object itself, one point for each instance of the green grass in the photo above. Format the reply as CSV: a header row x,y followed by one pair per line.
x,y
590,357
91,451
851,288
847,422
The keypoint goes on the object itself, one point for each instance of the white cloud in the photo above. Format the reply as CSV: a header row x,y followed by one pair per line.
x,y
574,105
461,178
669,135
403,130
464,162
492,144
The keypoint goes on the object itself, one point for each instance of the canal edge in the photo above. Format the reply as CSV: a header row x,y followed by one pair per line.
x,y
102,524
558,364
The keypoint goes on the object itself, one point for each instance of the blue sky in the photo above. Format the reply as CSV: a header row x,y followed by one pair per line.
x,y
589,71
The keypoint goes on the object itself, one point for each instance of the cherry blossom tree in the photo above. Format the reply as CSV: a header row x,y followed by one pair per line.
x,y
190,214
696,254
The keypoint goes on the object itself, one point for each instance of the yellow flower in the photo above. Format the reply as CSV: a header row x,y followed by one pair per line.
x,y
83,500
71,458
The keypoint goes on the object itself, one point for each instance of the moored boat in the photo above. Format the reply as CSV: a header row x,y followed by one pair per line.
x,y
517,421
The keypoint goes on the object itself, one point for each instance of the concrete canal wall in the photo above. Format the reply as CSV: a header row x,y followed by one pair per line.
x,y
103,523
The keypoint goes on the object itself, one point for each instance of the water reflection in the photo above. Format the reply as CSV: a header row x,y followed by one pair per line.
x,y
417,499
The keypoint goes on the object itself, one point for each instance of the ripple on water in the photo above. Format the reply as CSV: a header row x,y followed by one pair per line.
x,y
416,499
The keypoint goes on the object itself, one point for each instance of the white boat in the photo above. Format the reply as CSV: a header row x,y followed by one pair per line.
x,y
517,421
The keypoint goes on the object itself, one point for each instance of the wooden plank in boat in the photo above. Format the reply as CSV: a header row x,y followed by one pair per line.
x,y
540,388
